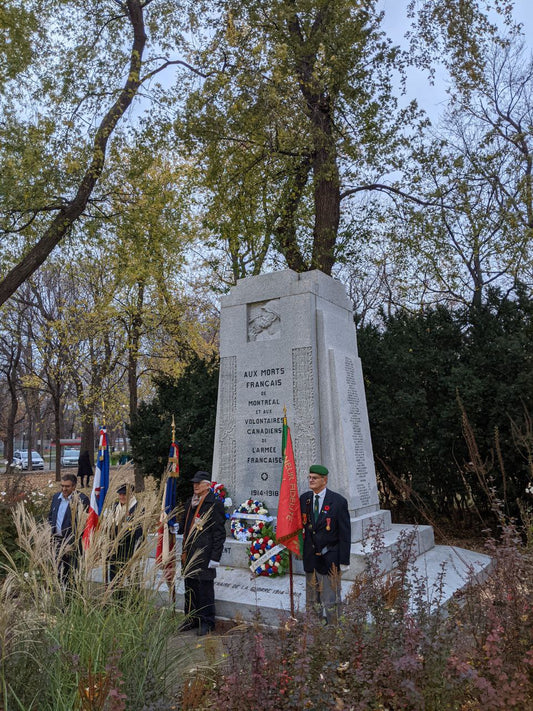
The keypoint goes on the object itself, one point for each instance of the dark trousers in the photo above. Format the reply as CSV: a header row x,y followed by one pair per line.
x,y
200,601
323,595
66,562
114,568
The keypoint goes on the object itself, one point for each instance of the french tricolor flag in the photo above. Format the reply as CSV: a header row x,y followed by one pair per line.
x,y
100,487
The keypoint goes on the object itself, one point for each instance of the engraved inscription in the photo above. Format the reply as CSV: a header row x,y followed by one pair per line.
x,y
261,384
362,473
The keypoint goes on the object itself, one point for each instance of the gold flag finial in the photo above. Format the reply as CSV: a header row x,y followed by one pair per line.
x,y
103,414
173,460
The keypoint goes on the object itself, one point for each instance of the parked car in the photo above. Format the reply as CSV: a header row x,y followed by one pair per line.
x,y
20,459
70,457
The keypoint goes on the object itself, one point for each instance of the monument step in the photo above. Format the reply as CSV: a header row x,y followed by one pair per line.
x,y
239,596
391,542
364,524
389,545
437,572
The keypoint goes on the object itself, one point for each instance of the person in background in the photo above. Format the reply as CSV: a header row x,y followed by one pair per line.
x,y
84,468
125,529
327,540
204,532
65,519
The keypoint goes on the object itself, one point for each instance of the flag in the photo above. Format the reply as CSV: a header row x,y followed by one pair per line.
x,y
289,525
167,520
100,487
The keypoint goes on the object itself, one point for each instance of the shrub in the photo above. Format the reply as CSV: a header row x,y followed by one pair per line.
x,y
416,366
393,649
14,489
192,399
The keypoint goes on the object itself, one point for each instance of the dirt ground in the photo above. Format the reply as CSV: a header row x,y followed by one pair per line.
x,y
40,480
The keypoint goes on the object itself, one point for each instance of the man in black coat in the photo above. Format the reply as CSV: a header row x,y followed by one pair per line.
x,y
125,528
204,533
327,540
65,521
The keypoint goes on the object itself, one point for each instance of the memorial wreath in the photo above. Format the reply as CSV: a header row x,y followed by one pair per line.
x,y
219,490
266,556
221,494
248,520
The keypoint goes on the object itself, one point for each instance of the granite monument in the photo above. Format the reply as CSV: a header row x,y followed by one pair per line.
x,y
288,340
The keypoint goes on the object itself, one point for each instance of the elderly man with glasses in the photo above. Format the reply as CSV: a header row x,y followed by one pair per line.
x,y
327,540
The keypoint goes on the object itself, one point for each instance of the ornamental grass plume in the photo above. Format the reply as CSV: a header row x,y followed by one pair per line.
x,y
58,640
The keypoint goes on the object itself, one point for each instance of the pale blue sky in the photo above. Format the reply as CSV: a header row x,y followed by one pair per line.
x,y
433,98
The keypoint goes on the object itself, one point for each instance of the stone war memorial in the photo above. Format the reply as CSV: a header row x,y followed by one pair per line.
x,y
288,340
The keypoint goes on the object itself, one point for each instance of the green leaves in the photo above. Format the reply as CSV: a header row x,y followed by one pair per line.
x,y
302,107
17,27
191,398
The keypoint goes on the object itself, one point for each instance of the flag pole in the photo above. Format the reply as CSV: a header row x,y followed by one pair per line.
x,y
173,590
105,568
166,537
289,525
291,584
291,577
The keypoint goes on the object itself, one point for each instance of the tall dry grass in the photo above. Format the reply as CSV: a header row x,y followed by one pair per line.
x,y
84,644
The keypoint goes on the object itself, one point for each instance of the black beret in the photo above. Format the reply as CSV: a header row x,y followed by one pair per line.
x,y
123,488
201,476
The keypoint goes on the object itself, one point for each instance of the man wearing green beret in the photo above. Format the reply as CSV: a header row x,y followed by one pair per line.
x,y
327,540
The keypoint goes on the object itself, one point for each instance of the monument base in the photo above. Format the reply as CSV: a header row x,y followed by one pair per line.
x,y
241,596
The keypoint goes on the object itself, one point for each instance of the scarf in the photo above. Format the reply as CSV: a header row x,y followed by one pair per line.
x,y
121,511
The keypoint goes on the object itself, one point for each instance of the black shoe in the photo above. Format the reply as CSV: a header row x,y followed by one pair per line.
x,y
187,626
204,629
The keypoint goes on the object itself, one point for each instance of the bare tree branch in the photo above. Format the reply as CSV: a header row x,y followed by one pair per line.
x,y
380,187
74,208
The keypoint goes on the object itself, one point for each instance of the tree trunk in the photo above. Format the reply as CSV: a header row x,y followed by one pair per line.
x,y
87,418
319,108
133,359
87,434
11,419
30,437
76,206
327,205
57,435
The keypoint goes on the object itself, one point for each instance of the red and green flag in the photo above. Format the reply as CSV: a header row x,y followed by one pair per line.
x,y
289,525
